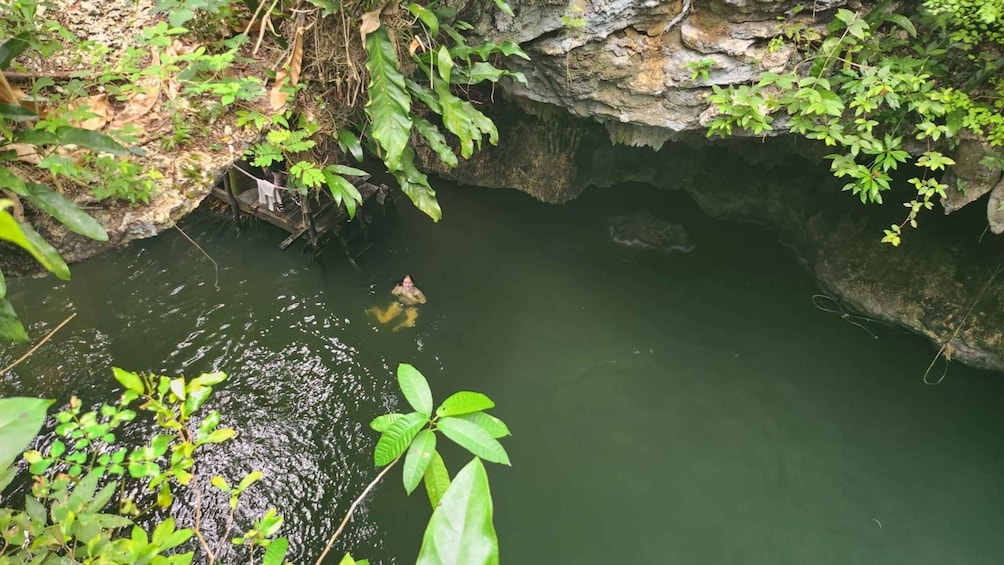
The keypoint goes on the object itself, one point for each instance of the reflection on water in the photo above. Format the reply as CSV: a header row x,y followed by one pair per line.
x,y
667,408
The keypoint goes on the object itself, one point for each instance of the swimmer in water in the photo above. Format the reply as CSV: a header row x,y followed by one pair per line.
x,y
408,296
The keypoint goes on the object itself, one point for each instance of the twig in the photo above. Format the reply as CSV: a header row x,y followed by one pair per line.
x,y
352,509
25,77
37,345
216,267
679,17
962,324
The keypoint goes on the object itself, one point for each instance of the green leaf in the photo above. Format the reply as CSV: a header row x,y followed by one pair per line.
x,y
473,438
444,61
349,142
478,73
347,560
17,113
3,285
502,5
220,436
20,420
250,479
382,423
14,47
389,106
396,439
83,491
89,139
461,531
903,22
415,184
437,479
465,121
343,191
494,426
11,328
350,171
415,388
464,402
11,181
418,458
64,211
25,237
427,16
276,552
130,381
437,141
208,379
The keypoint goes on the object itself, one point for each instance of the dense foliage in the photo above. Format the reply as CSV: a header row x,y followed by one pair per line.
x,y
56,140
893,86
93,497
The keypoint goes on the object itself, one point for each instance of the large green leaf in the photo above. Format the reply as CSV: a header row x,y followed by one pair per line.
x,y
128,379
461,531
444,63
389,106
64,211
425,95
427,16
415,184
464,402
17,113
437,141
348,141
343,191
465,121
12,182
418,458
437,479
396,439
89,139
382,423
20,420
494,426
25,237
11,328
473,438
415,388
504,6
276,552
13,47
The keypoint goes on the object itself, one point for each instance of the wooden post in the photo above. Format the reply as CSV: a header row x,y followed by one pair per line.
x,y
230,184
308,217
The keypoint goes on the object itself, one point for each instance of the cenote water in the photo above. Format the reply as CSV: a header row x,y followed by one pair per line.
x,y
666,408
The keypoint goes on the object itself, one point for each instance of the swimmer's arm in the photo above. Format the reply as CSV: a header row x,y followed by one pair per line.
x,y
419,297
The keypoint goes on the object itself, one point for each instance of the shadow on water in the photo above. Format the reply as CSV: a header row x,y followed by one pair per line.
x,y
666,408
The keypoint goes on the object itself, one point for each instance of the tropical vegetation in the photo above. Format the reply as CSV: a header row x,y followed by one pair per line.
x,y
891,88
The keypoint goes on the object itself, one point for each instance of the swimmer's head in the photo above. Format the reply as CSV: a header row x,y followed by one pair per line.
x,y
407,282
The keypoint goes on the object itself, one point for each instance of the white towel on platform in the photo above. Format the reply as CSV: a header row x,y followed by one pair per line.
x,y
266,193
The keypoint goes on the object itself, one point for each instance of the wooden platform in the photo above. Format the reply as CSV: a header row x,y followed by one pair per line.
x,y
312,216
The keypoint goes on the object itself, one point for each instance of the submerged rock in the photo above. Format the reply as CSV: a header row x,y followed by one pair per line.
x,y
644,230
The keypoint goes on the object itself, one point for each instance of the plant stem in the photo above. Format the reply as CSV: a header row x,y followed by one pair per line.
x,y
352,509
37,345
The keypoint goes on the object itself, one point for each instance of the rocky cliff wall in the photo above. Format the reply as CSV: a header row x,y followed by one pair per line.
x,y
609,77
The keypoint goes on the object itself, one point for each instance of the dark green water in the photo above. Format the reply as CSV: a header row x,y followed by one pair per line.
x,y
688,408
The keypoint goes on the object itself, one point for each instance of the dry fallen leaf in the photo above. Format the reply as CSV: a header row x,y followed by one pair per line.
x,y
416,42
140,102
371,21
97,105
296,58
26,153
277,96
